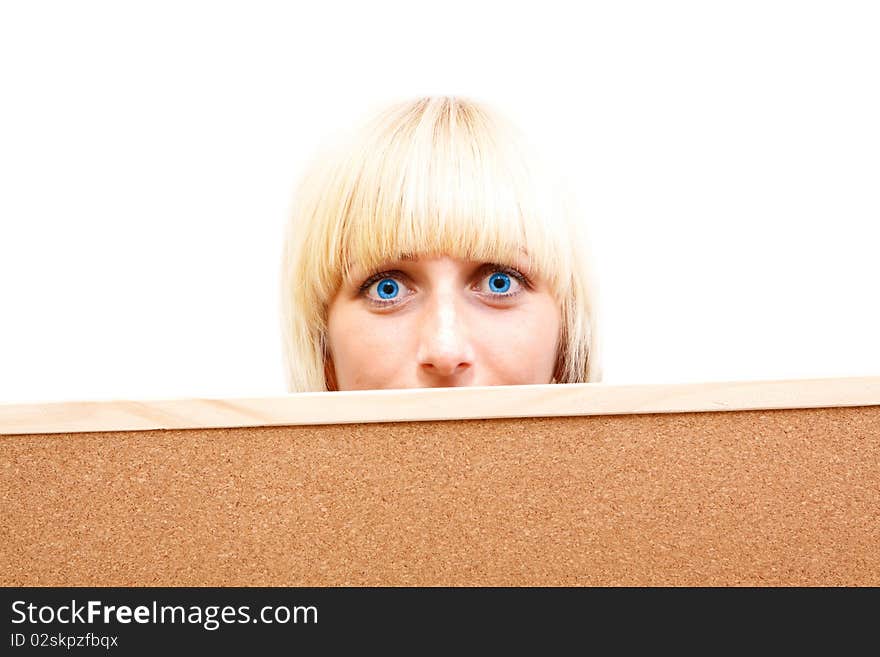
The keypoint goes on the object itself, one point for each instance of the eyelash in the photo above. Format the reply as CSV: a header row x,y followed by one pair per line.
x,y
489,268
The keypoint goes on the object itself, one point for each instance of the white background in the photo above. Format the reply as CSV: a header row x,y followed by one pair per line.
x,y
726,155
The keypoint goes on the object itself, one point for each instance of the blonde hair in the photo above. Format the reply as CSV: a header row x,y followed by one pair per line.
x,y
431,176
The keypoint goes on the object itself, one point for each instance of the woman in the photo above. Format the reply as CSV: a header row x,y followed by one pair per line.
x,y
428,248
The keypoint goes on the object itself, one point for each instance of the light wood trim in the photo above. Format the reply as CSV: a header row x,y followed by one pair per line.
x,y
436,404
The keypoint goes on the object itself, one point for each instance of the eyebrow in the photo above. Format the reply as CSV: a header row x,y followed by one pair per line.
x,y
402,257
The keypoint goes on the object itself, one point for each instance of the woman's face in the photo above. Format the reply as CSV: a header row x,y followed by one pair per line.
x,y
439,321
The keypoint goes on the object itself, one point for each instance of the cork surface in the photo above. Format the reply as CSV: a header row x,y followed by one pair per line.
x,y
774,497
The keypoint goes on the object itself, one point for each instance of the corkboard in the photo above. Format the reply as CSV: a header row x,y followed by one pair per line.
x,y
737,497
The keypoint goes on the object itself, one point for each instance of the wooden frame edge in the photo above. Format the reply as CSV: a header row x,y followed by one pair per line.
x,y
435,404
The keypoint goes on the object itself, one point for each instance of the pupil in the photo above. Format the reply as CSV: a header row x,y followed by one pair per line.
x,y
388,288
498,283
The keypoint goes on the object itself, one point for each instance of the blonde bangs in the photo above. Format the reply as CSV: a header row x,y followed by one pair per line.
x,y
442,178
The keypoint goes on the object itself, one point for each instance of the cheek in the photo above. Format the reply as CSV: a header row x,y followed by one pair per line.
x,y
366,350
524,345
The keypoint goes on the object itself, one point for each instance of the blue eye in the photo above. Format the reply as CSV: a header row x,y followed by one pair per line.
x,y
499,282
387,288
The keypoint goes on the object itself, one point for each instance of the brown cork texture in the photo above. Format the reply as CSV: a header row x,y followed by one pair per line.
x,y
782,497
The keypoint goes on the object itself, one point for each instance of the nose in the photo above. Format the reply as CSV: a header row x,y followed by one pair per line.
x,y
445,349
